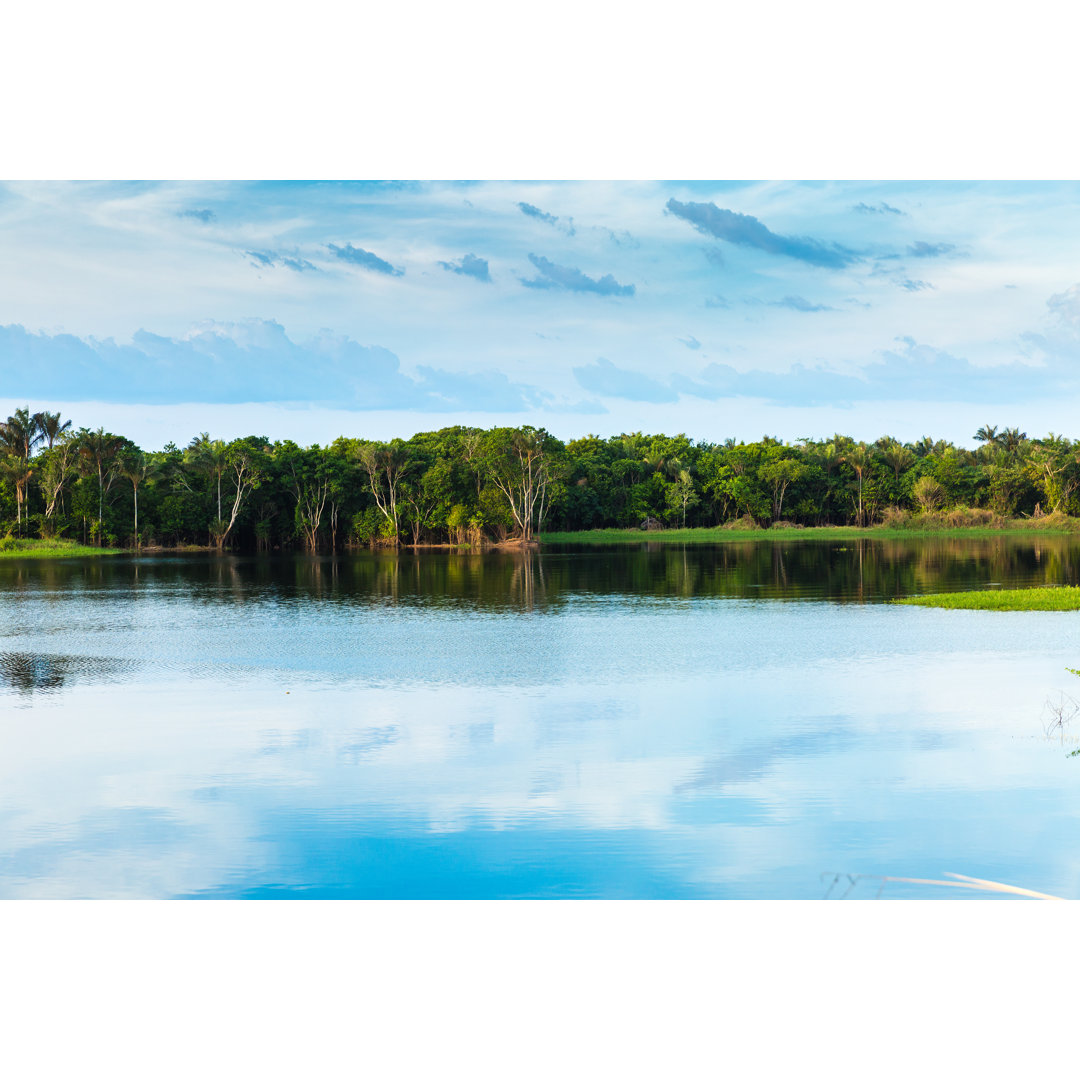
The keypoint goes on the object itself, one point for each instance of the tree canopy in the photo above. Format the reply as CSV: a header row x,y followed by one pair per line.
x,y
463,484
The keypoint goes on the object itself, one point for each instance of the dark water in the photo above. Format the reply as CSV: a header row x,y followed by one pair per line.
x,y
746,720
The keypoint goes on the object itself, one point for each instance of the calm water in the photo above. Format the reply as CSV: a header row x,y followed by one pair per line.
x,y
736,721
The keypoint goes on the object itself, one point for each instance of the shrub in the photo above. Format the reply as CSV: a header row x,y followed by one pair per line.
x,y
896,517
929,494
746,522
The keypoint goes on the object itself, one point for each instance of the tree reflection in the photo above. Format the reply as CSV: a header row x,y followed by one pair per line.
x,y
27,672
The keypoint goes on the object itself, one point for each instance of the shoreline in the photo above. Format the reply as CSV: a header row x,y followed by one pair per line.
x,y
810,532
52,549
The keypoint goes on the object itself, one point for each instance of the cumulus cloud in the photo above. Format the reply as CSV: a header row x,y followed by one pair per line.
x,y
261,259
747,231
482,391
469,265
553,276
923,250
909,371
250,361
366,259
203,215
604,378
879,208
906,371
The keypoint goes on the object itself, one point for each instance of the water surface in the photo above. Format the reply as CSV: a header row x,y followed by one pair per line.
x,y
744,720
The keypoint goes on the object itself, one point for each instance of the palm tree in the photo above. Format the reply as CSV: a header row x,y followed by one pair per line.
x,y
986,434
1011,439
17,469
899,458
212,457
138,468
98,451
20,433
860,457
49,426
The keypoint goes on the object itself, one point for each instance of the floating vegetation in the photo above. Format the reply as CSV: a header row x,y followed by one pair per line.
x,y
1041,598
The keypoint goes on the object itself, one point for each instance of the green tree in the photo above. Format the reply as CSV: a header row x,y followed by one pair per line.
x,y
522,463
99,452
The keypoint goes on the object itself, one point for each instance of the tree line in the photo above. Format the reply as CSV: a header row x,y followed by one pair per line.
x,y
464,485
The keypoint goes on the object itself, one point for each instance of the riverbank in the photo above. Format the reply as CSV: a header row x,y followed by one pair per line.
x,y
13,548
823,532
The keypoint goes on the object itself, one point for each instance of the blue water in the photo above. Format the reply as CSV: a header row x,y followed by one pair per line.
x,y
623,723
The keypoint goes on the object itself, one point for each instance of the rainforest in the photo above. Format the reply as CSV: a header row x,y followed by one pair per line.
x,y
472,487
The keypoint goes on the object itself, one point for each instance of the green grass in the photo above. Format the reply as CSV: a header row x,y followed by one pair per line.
x,y
1039,598
13,548
825,532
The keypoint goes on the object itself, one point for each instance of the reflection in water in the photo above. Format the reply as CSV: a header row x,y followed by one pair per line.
x,y
606,722
788,569
28,673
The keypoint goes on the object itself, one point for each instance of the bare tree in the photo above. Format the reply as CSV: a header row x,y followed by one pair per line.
x,y
519,463
385,465
55,471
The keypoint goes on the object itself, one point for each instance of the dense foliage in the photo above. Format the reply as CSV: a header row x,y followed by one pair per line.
x,y
466,485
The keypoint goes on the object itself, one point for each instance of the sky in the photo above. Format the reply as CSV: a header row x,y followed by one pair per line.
x,y
311,310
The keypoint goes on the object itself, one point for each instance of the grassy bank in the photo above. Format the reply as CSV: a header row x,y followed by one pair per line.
x,y
12,548
826,532
1052,598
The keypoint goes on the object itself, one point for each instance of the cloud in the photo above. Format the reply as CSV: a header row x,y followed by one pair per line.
x,y
250,361
1066,306
554,276
797,303
604,378
566,226
880,208
747,231
205,216
471,266
536,212
914,286
483,391
622,238
907,372
366,259
274,258
690,342
720,302
297,264
1060,344
922,250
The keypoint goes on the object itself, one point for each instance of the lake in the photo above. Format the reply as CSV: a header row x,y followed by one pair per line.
x,y
749,720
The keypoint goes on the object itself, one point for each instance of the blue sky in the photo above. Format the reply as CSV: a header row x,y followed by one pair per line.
x,y
314,309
